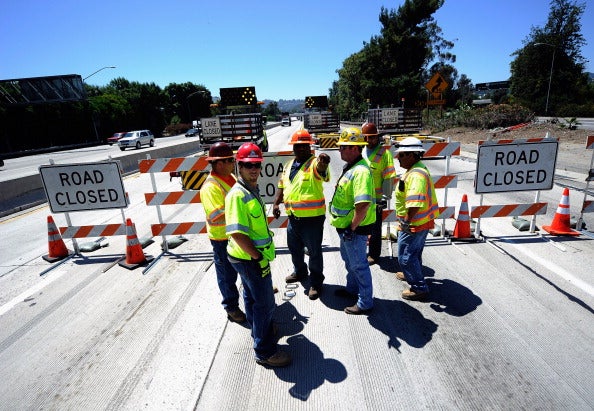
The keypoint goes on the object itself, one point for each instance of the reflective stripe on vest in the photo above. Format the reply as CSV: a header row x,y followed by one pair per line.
x,y
304,196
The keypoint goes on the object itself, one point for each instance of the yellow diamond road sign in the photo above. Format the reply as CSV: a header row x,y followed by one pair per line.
x,y
436,84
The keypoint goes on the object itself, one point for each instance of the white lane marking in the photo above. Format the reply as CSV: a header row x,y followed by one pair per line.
x,y
46,280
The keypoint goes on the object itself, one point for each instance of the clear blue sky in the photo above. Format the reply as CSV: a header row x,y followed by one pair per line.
x,y
285,50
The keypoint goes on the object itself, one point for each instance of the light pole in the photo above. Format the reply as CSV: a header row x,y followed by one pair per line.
x,y
95,72
550,74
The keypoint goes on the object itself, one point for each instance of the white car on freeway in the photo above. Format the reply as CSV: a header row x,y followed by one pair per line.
x,y
137,138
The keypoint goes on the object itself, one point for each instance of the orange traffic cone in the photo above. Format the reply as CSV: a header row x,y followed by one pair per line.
x,y
462,230
56,248
134,254
561,223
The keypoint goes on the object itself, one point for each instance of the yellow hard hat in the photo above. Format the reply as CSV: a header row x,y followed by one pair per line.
x,y
351,137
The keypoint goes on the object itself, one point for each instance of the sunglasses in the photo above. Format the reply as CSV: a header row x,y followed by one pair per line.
x,y
400,155
227,160
342,148
249,166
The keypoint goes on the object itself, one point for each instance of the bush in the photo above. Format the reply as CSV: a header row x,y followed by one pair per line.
x,y
492,116
175,129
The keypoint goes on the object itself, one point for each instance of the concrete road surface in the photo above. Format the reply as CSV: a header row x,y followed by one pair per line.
x,y
508,325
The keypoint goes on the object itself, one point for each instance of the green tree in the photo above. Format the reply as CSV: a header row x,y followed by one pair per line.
x,y
271,111
547,74
391,65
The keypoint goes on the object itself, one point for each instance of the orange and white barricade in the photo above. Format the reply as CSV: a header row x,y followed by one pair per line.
x,y
587,205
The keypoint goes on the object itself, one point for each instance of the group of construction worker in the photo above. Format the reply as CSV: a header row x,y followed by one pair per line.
x,y
242,242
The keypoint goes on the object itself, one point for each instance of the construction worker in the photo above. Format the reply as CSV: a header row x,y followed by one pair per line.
x,y
300,188
212,195
250,251
381,164
416,208
352,212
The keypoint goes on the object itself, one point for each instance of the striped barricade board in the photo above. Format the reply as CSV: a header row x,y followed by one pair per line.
x,y
172,197
508,210
588,206
164,165
590,143
86,231
193,227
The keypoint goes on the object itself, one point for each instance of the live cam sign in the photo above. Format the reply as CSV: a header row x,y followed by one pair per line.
x,y
80,187
522,166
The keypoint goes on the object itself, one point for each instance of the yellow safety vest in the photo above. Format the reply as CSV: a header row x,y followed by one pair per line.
x,y
212,196
418,192
245,213
354,186
304,196
381,164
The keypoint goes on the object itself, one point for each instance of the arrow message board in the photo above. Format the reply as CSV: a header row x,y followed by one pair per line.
x,y
516,166
80,187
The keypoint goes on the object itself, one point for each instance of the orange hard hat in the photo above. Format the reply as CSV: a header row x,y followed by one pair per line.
x,y
369,129
249,153
301,137
219,151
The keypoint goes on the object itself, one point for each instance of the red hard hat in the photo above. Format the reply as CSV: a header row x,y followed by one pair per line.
x,y
301,137
219,151
369,129
249,153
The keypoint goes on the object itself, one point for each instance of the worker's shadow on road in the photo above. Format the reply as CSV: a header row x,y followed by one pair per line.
x,y
451,297
309,369
401,322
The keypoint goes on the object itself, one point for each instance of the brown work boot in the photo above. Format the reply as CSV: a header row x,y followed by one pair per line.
x,y
314,293
293,278
278,359
400,276
415,295
236,316
356,310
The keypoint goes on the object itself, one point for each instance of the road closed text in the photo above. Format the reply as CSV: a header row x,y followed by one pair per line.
x,y
516,167
83,186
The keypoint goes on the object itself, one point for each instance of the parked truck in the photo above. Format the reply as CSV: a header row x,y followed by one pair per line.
x,y
318,118
240,120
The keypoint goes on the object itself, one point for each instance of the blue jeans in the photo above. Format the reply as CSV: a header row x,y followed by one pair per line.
x,y
307,232
259,303
410,250
226,276
358,279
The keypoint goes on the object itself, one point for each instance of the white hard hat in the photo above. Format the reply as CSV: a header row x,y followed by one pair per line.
x,y
410,144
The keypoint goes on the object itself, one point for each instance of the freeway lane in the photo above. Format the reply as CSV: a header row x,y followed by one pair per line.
x,y
508,325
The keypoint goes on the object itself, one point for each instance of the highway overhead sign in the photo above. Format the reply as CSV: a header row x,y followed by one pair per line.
x,y
516,166
86,186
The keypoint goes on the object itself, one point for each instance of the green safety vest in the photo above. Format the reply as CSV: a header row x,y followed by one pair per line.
x,y
304,196
354,186
212,197
381,164
245,213
418,192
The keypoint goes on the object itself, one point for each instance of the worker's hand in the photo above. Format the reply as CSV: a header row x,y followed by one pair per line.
x,y
324,158
276,211
348,234
405,226
264,267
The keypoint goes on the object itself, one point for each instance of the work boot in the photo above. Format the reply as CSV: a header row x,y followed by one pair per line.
x,y
356,310
400,276
278,359
314,293
236,316
293,278
415,295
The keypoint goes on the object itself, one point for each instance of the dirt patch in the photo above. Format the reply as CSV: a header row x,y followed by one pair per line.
x,y
532,130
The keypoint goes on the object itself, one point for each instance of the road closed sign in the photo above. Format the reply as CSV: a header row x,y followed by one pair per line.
x,y
270,174
518,166
80,187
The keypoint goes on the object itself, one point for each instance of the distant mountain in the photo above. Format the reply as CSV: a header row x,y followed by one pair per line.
x,y
292,106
